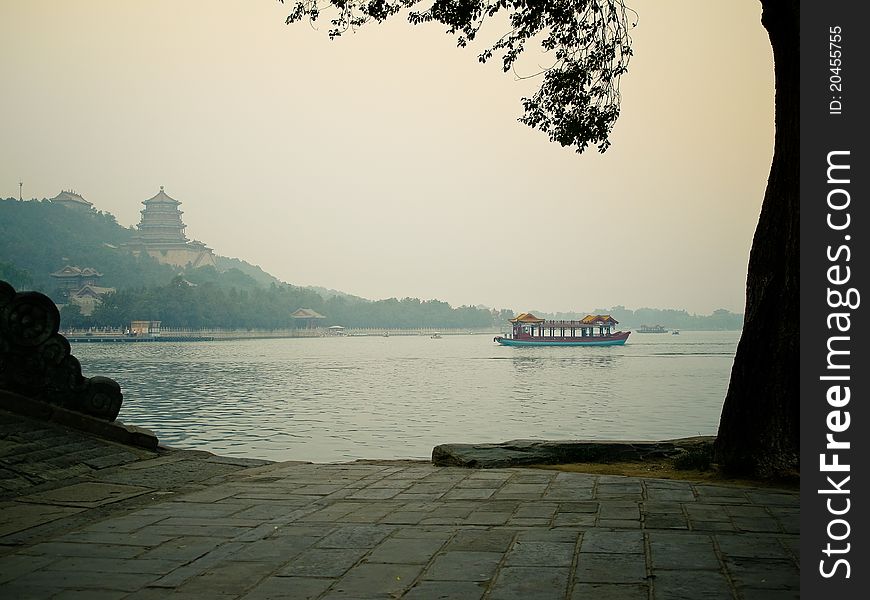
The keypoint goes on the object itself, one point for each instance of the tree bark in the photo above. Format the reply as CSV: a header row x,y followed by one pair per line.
x,y
759,430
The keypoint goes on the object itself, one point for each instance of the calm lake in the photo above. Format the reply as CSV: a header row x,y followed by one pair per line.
x,y
342,398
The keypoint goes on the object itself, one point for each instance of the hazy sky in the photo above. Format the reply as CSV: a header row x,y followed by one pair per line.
x,y
389,162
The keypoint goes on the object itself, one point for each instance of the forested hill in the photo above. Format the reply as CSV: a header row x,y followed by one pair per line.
x,y
38,238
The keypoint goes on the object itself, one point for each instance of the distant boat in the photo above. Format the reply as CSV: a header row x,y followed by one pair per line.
x,y
591,330
651,329
675,332
436,336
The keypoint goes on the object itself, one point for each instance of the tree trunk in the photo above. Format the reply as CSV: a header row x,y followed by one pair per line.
x,y
759,430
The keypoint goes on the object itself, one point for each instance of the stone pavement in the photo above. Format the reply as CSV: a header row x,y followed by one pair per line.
x,y
141,525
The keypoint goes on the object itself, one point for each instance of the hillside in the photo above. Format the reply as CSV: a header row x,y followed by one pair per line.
x,y
253,271
38,238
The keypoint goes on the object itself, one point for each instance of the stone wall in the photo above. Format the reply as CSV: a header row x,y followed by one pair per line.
x,y
35,360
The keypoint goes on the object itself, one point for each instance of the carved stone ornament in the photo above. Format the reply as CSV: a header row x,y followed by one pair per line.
x,y
35,359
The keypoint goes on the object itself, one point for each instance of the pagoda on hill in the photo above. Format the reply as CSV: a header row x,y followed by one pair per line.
x,y
161,235
161,221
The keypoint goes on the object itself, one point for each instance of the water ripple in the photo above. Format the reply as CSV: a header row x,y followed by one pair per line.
x,y
338,399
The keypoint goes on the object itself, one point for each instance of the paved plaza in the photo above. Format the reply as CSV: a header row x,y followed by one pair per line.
x,y
86,518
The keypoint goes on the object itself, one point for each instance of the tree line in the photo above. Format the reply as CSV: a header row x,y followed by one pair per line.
x,y
719,320
184,304
207,303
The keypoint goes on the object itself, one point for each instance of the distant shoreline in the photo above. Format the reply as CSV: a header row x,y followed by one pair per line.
x,y
211,335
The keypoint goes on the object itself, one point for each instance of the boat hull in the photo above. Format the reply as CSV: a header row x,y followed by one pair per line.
x,y
617,339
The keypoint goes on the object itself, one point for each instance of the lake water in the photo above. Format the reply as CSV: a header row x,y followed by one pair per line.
x,y
340,399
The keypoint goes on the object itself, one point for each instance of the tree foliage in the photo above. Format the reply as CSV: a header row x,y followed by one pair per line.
x,y
16,277
210,305
587,41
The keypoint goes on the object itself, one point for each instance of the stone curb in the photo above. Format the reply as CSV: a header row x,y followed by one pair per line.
x,y
529,452
115,431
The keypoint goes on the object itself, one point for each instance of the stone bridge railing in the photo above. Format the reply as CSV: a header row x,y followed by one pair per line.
x,y
35,360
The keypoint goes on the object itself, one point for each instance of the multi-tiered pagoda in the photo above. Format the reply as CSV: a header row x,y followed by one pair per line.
x,y
161,235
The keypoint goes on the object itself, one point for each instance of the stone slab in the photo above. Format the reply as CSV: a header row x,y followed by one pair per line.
x,y
15,517
260,533
86,495
537,452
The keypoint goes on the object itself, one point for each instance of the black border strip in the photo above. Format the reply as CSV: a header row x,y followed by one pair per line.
x,y
834,261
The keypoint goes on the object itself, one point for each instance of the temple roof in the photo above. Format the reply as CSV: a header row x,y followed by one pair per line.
x,y
306,313
67,196
161,197
67,271
71,271
91,291
526,318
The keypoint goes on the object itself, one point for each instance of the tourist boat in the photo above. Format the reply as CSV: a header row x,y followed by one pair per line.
x,y
591,330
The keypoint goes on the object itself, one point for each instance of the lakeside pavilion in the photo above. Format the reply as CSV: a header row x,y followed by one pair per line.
x,y
305,318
